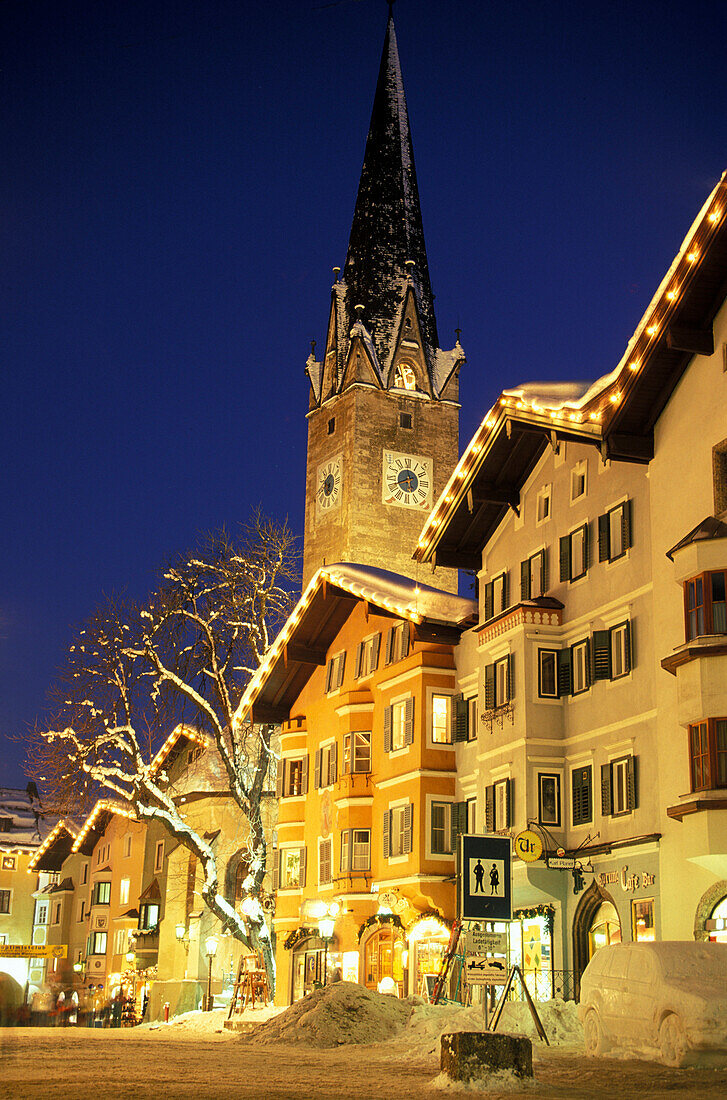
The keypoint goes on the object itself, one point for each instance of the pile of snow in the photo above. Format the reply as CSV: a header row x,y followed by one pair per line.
x,y
206,1023
339,1014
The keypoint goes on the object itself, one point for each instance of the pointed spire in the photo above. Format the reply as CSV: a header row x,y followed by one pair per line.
x,y
386,250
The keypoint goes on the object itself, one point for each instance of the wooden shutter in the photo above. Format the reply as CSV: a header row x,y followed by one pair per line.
x,y
509,802
581,786
375,647
490,809
387,834
565,678
276,869
489,600
631,782
404,640
565,558
359,660
280,782
341,665
626,526
458,821
604,538
303,866
589,661
489,687
304,777
505,590
628,647
390,638
333,763
544,569
329,675
606,804
525,580
409,721
586,547
601,661
407,829
510,677
317,770
388,717
460,718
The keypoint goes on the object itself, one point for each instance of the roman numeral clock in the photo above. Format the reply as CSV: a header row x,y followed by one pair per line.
x,y
407,481
328,485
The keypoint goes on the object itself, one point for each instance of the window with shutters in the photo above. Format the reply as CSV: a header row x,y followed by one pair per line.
x,y
548,673
612,652
578,481
705,606
618,786
334,672
397,643
620,662
293,776
472,711
356,753
325,872
582,795
326,765
548,798
575,554
399,725
614,532
499,682
398,829
708,754
441,723
499,806
355,849
291,864
580,667
534,576
471,823
101,893
543,505
440,828
367,656
496,596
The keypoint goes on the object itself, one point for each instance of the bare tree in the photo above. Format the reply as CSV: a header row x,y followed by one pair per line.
x,y
133,671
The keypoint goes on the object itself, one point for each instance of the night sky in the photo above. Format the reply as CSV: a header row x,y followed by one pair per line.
x,y
178,180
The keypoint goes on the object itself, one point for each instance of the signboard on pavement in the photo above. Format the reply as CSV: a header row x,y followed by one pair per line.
x,y
480,970
485,891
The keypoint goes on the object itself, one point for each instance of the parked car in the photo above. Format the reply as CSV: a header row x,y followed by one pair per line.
x,y
669,997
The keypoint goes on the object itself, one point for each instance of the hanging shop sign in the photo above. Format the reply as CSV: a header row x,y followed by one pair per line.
x,y
561,863
33,951
485,880
528,846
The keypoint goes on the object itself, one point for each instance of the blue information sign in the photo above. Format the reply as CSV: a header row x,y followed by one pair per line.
x,y
485,890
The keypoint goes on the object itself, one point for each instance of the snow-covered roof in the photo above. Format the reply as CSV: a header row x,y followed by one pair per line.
x,y
24,824
444,362
409,599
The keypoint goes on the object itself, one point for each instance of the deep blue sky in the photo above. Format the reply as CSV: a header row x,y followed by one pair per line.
x,y
178,180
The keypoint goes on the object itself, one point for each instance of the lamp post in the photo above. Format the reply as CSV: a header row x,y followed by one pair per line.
x,y
180,931
211,950
325,928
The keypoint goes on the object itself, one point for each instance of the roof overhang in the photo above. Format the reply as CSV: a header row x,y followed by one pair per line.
x,y
96,822
55,849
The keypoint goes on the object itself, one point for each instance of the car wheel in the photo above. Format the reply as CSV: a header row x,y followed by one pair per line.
x,y
672,1041
593,1035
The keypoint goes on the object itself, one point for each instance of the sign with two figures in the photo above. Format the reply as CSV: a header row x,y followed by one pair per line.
x,y
485,882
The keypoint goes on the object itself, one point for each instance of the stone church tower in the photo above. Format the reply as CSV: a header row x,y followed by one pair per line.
x,y
383,424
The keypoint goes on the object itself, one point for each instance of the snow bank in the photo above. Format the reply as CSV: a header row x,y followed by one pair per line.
x,y
337,1015
205,1023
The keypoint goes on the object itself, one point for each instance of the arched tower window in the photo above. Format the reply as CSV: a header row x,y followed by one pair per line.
x,y
404,377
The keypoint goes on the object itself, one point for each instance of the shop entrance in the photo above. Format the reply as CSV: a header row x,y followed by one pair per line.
x,y
383,958
595,924
308,964
605,928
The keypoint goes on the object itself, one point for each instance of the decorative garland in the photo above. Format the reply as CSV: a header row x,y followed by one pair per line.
x,y
430,914
380,918
545,911
298,935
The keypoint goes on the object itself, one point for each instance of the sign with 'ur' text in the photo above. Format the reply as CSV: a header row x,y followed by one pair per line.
x,y
485,891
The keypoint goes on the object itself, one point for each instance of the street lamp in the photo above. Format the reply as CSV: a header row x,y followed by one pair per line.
x,y
211,950
326,925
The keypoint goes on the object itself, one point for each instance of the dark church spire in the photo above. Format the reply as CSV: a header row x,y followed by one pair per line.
x,y
387,222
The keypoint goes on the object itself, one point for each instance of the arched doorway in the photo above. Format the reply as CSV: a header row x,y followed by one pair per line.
x,y
311,959
428,940
384,957
596,922
711,914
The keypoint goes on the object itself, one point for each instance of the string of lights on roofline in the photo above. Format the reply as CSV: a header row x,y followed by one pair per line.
x,y
597,409
101,807
39,852
322,576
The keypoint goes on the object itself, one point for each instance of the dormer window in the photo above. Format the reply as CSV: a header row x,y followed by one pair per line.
x,y
404,377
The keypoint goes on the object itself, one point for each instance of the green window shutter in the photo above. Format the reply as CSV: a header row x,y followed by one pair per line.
x,y
489,600
409,721
505,590
359,659
565,558
628,647
589,661
525,580
601,661
405,639
510,802
460,715
387,834
626,526
459,822
390,637
317,770
544,569
631,782
304,777
586,546
375,647
303,866
341,666
333,764
510,677
329,675
388,716
408,829
606,804
604,538
489,687
490,809
565,662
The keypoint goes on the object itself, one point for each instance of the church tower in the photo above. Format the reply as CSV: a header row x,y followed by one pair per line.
x,y
383,423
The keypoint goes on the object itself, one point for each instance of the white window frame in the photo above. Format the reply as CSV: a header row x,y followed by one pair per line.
x,y
353,745
557,821
288,790
41,913
543,505
335,670
326,749
579,662
471,815
432,694
159,856
397,811
620,790
361,859
502,687
578,474
499,802
542,654
617,642
398,725
95,938
435,800
283,854
124,890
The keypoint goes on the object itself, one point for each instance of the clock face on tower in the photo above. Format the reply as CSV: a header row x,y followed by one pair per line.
x,y
328,485
407,481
